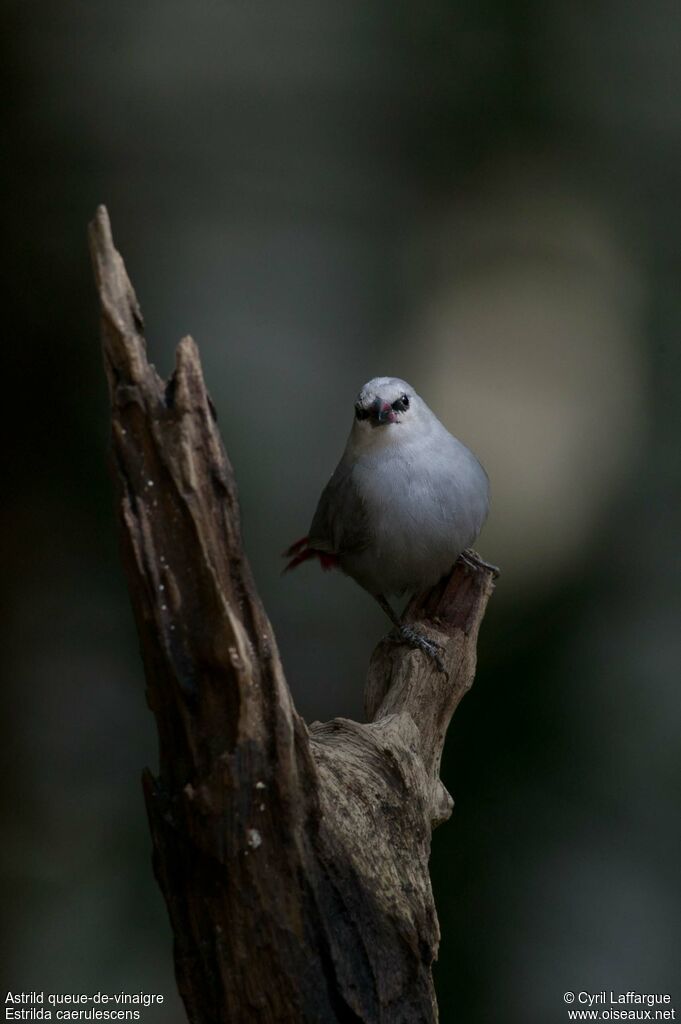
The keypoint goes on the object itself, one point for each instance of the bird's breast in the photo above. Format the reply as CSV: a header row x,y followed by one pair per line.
x,y
422,511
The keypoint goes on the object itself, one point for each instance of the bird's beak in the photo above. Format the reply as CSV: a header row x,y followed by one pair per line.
x,y
381,412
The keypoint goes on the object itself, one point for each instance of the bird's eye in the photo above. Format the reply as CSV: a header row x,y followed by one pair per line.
x,y
361,413
401,404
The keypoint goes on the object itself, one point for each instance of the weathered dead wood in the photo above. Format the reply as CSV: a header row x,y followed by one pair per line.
x,y
294,861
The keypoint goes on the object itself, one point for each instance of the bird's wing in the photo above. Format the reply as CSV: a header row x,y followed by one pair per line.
x,y
340,524
461,489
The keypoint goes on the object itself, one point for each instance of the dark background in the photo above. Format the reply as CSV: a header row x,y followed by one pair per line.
x,y
483,198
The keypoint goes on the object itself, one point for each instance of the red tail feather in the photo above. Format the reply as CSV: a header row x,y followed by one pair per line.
x,y
295,548
300,552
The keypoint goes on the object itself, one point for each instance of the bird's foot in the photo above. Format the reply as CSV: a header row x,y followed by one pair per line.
x,y
473,560
412,638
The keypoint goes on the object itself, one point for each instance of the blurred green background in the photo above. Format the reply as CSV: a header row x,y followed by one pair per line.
x,y
483,198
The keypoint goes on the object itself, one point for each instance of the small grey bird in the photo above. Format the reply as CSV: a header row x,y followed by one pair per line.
x,y
406,500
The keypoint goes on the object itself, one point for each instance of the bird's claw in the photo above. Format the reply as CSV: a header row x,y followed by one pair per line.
x,y
412,638
473,560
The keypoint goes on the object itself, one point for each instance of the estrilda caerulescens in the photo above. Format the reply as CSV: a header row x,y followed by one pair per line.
x,y
405,501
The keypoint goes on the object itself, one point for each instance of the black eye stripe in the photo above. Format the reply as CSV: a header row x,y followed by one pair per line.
x,y
400,404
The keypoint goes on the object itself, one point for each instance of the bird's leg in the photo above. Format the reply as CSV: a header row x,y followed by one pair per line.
x,y
473,560
389,610
405,634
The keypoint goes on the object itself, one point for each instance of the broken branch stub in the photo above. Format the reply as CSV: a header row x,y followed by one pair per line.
x,y
293,861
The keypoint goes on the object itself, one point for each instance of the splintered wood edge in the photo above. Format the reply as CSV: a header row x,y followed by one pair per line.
x,y
123,325
178,428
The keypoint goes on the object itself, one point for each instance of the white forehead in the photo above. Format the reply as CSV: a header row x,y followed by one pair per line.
x,y
386,388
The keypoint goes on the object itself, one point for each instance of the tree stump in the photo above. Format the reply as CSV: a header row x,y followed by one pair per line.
x,y
293,859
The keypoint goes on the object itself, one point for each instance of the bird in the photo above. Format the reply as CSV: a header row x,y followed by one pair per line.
x,y
406,500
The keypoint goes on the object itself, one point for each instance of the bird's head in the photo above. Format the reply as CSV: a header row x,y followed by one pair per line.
x,y
384,406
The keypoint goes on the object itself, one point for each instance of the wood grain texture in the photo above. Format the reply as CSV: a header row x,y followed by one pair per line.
x,y
293,860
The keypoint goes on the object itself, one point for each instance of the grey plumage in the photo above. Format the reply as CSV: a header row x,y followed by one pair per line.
x,y
405,501
406,497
